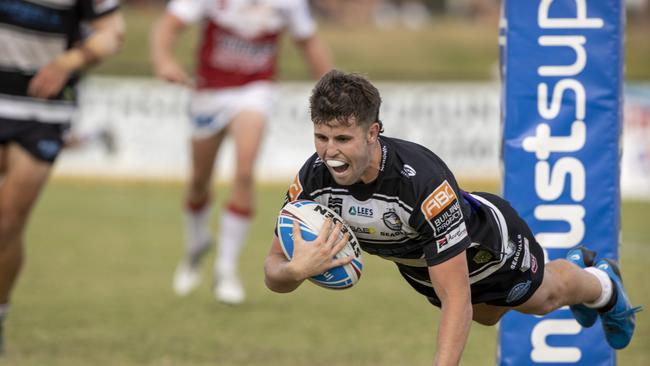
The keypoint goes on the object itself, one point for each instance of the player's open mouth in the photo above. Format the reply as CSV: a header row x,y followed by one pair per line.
x,y
338,165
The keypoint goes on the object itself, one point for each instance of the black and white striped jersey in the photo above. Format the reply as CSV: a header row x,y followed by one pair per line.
x,y
32,34
413,214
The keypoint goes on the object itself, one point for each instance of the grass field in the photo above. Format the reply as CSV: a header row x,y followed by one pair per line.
x,y
96,291
447,49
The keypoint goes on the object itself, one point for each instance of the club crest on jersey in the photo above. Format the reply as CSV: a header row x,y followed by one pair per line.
x,y
295,189
392,220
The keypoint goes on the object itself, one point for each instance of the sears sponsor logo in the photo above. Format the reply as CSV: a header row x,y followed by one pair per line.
x,y
452,238
518,291
360,211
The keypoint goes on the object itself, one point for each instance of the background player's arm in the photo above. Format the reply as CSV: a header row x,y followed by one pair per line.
x,y
163,39
450,280
316,54
309,258
105,40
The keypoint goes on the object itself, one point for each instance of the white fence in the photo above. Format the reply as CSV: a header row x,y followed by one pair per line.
x,y
458,121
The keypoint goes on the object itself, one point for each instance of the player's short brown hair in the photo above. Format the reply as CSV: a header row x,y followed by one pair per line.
x,y
341,97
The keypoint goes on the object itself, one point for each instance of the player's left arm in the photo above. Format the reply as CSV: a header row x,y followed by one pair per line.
x,y
106,40
450,280
316,54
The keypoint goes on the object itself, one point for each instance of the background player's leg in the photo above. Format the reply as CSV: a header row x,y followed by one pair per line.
x,y
23,181
196,212
247,129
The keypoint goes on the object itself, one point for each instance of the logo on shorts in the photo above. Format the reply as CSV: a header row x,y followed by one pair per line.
x,y
518,291
49,148
533,264
202,120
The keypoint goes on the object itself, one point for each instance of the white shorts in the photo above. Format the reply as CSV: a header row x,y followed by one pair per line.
x,y
212,110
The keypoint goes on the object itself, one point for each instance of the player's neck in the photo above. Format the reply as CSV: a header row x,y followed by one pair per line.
x,y
372,171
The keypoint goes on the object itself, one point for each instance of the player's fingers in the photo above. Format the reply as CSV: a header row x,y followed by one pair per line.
x,y
342,261
341,244
334,235
323,235
297,236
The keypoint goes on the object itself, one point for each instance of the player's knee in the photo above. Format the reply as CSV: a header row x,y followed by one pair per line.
x,y
10,229
244,180
489,321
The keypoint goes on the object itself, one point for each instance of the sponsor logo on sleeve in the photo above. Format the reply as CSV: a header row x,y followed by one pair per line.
x,y
452,238
295,189
442,209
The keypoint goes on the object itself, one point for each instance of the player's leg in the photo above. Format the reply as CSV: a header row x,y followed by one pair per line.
x,y
23,180
247,130
564,284
196,212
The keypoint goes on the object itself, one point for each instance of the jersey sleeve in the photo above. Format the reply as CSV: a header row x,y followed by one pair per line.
x,y
93,9
441,220
301,23
297,189
188,11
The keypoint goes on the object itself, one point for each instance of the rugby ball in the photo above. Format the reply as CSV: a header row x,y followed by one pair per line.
x,y
311,216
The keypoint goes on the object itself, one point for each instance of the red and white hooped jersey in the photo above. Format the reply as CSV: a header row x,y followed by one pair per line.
x,y
240,38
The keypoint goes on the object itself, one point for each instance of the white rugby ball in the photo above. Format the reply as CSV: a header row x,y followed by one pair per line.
x,y
311,216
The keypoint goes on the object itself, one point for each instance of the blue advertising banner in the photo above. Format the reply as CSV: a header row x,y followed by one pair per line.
x,y
561,149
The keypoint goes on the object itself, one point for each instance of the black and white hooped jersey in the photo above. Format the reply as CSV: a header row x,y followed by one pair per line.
x,y
413,214
32,34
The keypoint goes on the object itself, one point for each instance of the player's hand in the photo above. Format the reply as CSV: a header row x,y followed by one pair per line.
x,y
171,71
48,81
311,258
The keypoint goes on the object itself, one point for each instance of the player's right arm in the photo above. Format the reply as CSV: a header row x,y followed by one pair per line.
x,y
163,39
309,258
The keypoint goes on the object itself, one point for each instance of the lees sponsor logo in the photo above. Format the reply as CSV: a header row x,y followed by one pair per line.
x,y
438,200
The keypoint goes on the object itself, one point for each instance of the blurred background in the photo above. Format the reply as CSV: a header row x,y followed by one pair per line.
x,y
106,234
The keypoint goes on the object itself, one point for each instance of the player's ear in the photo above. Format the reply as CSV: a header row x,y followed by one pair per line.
x,y
373,132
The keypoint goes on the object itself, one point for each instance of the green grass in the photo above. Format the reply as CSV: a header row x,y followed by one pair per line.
x,y
447,49
95,290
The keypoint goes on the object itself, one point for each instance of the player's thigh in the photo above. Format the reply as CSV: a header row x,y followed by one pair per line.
x,y
24,179
247,130
545,298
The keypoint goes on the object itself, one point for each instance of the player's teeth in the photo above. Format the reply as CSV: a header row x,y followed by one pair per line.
x,y
335,163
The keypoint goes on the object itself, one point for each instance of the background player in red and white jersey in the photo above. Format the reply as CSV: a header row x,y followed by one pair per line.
x,y
234,94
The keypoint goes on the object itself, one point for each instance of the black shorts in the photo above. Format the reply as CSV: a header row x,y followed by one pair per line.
x,y
522,272
44,141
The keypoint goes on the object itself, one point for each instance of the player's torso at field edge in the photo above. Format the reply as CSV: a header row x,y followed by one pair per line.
x,y
32,34
414,214
240,39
